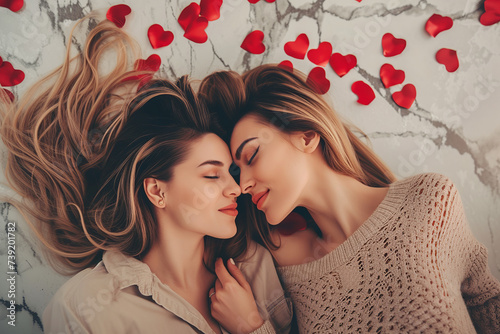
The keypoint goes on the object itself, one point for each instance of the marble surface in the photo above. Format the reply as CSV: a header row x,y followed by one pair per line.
x,y
453,127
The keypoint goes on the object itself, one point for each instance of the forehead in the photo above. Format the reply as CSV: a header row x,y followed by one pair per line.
x,y
249,126
209,147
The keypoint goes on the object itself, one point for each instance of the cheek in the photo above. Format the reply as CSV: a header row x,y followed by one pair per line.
x,y
279,167
205,198
193,202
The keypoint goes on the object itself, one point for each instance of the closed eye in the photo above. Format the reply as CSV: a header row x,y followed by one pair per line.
x,y
253,156
211,177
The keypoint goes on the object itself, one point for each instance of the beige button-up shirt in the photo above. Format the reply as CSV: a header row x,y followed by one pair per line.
x,y
122,295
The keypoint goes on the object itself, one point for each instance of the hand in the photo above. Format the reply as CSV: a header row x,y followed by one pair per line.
x,y
233,304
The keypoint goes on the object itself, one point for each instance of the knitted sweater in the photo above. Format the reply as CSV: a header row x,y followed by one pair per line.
x,y
412,267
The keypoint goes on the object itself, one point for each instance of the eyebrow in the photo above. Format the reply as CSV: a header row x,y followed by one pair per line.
x,y
211,162
240,148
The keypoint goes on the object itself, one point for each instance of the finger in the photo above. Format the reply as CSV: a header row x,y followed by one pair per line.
x,y
222,274
218,285
237,274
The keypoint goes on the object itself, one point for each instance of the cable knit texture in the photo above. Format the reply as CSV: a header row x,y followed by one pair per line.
x,y
412,267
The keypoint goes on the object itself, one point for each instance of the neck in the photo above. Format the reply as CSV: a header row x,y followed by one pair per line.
x,y
338,204
176,257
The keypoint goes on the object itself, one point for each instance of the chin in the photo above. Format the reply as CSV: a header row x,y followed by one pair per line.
x,y
274,219
226,233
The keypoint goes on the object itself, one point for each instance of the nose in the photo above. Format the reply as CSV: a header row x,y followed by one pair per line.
x,y
246,183
232,189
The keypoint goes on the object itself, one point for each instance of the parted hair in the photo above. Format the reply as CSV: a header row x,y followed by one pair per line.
x,y
80,143
283,99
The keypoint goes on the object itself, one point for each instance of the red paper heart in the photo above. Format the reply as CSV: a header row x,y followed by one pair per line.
x,y
342,64
1,61
392,46
159,37
437,23
298,48
489,18
491,12
210,9
13,5
448,58
321,55
253,42
406,96
116,14
152,63
317,80
364,92
8,94
492,6
188,15
196,30
391,76
287,65
10,76
294,222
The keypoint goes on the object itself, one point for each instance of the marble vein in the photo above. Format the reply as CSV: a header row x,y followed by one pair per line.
x,y
24,307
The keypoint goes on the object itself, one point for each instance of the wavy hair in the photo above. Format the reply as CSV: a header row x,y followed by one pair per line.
x,y
283,99
81,142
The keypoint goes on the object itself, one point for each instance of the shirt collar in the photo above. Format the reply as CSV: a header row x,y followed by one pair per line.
x,y
129,271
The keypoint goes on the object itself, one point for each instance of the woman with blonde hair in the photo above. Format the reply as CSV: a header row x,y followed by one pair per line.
x,y
377,254
132,190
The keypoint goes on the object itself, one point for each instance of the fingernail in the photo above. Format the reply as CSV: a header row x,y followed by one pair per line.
x,y
232,261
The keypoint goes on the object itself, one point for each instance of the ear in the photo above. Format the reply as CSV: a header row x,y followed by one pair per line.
x,y
154,191
306,141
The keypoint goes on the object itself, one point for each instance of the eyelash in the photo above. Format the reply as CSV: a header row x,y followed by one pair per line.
x,y
211,177
253,156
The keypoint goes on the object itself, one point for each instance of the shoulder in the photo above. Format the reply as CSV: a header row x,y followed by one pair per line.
x,y
428,188
86,283
429,181
434,198
72,305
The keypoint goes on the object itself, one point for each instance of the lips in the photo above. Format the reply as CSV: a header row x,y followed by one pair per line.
x,y
230,210
259,198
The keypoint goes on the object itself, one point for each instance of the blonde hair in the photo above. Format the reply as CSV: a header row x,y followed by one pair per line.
x,y
283,99
81,142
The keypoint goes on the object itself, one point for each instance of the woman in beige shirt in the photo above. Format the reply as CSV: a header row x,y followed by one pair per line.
x,y
133,192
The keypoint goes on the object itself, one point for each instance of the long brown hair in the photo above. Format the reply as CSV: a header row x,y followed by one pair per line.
x,y
81,142
283,99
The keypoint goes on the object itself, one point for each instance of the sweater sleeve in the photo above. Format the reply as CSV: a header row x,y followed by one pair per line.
x,y
468,258
481,292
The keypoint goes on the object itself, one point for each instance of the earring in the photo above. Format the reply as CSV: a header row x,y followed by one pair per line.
x,y
161,202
